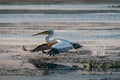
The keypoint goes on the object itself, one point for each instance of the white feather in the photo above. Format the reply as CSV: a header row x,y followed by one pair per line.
x,y
63,45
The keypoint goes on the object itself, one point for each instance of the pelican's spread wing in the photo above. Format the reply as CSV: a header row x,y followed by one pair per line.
x,y
61,46
41,47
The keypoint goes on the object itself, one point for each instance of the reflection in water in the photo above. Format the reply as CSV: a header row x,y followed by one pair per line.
x,y
50,67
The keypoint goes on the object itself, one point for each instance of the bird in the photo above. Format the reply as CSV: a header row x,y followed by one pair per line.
x,y
54,46
45,46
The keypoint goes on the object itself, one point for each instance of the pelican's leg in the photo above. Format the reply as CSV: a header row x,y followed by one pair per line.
x,y
52,58
52,54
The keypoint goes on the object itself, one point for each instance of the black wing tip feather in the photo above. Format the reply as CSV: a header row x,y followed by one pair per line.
x,y
24,49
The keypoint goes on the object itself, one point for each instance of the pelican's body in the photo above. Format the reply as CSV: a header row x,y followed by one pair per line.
x,y
55,46
61,46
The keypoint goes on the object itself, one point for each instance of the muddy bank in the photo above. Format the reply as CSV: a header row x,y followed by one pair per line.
x,y
99,58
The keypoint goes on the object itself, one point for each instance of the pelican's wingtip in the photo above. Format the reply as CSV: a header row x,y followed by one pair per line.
x,y
24,49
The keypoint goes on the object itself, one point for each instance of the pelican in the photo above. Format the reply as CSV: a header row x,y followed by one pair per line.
x,y
54,46
45,46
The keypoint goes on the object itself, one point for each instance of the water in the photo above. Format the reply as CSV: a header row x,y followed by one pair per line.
x,y
65,34
76,35
68,6
10,18
64,77
93,12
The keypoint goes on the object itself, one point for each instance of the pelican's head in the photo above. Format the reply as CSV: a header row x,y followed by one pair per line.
x,y
45,32
76,45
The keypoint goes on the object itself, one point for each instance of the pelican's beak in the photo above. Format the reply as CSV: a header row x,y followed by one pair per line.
x,y
44,32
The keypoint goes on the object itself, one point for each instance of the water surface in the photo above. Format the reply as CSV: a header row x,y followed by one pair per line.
x,y
82,12
76,35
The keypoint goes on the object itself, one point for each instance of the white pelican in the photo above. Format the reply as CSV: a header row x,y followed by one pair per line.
x,y
56,46
45,46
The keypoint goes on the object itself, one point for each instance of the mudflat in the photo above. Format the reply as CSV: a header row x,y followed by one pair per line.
x,y
100,42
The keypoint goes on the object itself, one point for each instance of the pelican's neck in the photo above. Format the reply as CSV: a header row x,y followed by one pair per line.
x,y
48,38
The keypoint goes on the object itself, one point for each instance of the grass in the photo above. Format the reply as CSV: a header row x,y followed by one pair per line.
x,y
103,65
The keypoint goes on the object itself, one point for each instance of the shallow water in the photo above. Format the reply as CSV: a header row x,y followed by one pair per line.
x,y
64,77
66,7
76,35
93,12
12,18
